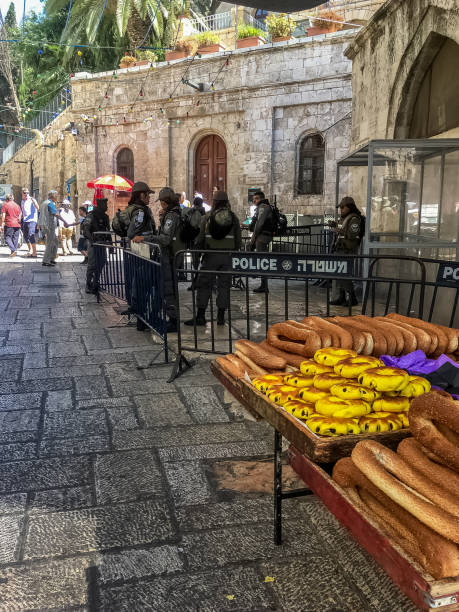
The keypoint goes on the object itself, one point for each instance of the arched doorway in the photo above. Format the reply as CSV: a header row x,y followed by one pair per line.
x,y
210,166
125,163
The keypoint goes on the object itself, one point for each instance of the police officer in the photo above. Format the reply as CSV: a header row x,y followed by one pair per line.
x,y
138,212
220,230
262,228
348,236
96,221
169,240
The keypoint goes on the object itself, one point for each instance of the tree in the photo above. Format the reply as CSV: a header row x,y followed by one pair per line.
x,y
6,70
205,7
10,18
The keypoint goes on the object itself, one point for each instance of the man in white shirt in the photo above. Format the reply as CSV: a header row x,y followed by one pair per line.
x,y
66,232
29,209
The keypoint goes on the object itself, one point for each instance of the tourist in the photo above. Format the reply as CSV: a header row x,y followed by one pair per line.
x,y
65,233
262,230
348,236
184,202
82,241
29,208
48,219
220,230
11,222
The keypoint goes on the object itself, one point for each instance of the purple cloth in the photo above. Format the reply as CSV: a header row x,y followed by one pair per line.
x,y
416,363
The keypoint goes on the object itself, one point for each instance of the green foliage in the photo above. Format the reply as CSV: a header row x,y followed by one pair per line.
x,y
206,39
147,55
10,18
247,31
280,25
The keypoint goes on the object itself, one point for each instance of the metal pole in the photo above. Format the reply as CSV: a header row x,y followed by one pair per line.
x,y
277,488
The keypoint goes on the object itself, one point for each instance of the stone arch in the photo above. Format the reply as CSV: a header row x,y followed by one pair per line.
x,y
434,29
192,148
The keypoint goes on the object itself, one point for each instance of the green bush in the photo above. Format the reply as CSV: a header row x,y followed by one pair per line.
x,y
206,39
280,25
147,55
247,31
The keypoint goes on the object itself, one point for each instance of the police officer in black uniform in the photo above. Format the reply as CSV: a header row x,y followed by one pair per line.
x,y
168,239
262,228
140,217
348,236
96,221
220,230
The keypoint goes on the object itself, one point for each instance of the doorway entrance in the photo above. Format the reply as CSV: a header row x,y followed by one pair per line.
x,y
210,166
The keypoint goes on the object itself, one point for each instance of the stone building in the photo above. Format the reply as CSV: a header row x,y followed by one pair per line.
x,y
276,117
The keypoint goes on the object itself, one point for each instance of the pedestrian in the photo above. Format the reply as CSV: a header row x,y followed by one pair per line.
x,y
48,219
184,202
29,208
220,231
193,217
65,233
348,236
11,223
82,241
262,228
96,221
169,240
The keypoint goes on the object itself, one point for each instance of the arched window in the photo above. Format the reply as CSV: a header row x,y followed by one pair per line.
x,y
125,164
311,160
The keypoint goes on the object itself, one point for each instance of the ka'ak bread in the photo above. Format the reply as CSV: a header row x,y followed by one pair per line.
x,y
259,356
437,555
294,339
429,416
393,341
394,477
411,451
423,339
233,369
340,338
439,339
407,339
291,358
361,342
453,338
376,342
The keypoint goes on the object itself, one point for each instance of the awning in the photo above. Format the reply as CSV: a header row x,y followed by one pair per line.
x,y
282,6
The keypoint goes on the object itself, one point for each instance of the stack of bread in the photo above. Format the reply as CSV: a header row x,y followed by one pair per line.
x,y
412,494
341,393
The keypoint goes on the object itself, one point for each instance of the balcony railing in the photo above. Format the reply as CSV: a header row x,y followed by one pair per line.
x,y
222,21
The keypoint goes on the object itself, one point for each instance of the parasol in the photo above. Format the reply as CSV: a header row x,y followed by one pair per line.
x,y
111,181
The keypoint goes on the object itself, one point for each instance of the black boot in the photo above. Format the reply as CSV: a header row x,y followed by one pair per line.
x,y
221,316
340,300
171,326
200,319
263,288
350,299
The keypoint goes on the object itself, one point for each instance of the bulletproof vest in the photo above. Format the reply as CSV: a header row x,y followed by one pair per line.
x,y
171,224
228,242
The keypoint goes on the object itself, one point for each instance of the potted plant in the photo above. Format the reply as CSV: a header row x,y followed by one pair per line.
x,y
127,61
249,36
208,42
144,58
183,48
325,22
185,14
280,27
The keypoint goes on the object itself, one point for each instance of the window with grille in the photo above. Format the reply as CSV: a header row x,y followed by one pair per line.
x,y
311,160
125,164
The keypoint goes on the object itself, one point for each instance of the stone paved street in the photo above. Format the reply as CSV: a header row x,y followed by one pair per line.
x,y
109,495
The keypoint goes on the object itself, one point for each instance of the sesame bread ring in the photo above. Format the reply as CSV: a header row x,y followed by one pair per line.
x,y
327,380
300,410
384,379
430,415
293,337
333,426
291,359
331,356
416,386
311,394
309,367
423,340
439,339
346,409
394,343
351,391
264,383
380,421
409,488
412,452
410,343
340,338
296,380
351,368
360,342
391,404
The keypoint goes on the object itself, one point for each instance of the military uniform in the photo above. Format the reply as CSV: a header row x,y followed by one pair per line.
x,y
216,261
262,229
95,221
347,242
141,220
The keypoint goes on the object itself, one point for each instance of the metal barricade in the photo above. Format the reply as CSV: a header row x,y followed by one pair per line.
x,y
135,279
302,239
294,293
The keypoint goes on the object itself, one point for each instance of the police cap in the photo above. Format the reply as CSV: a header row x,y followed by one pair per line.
x,y
167,195
141,187
220,196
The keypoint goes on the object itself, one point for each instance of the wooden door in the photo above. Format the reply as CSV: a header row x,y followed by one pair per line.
x,y
210,166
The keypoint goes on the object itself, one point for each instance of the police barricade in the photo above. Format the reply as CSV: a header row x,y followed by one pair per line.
x,y
293,293
136,279
442,291
302,239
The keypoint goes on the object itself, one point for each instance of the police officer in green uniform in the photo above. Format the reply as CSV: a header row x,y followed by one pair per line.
x,y
168,238
262,228
96,221
220,231
348,236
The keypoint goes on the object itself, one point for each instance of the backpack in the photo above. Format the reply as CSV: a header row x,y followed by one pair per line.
x,y
279,221
190,225
122,220
220,223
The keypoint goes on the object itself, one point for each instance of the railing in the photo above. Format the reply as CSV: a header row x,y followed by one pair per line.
x,y
223,21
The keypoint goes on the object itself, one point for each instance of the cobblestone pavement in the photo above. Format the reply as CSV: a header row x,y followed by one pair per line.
x,y
108,494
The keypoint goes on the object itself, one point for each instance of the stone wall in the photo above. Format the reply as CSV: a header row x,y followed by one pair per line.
x,y
264,101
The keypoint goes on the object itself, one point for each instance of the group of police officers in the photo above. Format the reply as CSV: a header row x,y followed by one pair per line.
x,y
219,233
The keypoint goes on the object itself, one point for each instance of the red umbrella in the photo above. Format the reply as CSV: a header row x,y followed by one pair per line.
x,y
111,181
